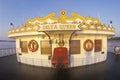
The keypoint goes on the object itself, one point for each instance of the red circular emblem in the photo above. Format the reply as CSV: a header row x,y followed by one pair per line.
x,y
33,45
63,12
88,45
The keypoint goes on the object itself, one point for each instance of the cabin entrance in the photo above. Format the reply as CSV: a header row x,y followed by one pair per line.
x,y
61,49
60,57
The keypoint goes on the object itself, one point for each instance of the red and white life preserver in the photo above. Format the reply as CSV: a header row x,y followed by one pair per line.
x,y
88,45
33,46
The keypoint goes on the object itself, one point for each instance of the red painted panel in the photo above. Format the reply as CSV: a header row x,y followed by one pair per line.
x,y
60,56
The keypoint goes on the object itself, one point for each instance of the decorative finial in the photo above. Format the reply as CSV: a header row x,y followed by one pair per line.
x,y
110,22
63,12
11,25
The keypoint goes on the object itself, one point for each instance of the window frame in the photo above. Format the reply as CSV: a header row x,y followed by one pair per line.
x,y
98,45
43,52
76,48
24,46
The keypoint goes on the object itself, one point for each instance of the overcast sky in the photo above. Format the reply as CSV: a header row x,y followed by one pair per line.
x,y
18,11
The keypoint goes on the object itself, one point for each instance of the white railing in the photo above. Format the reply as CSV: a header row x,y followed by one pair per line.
x,y
87,60
7,51
34,61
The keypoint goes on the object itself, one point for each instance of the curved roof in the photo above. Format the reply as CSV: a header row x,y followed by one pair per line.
x,y
51,22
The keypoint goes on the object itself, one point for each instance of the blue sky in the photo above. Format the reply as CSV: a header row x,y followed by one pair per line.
x,y
18,11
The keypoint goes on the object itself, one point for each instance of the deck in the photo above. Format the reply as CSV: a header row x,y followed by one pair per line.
x,y
12,70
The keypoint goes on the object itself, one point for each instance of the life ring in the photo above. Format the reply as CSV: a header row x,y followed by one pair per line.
x,y
33,46
88,45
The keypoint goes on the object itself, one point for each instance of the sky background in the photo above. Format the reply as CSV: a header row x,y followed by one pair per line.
x,y
18,11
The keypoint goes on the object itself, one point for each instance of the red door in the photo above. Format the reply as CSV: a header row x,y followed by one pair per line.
x,y
60,57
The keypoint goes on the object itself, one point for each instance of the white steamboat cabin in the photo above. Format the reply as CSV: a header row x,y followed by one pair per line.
x,y
83,38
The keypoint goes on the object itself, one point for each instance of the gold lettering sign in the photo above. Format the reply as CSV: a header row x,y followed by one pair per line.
x,y
47,27
60,27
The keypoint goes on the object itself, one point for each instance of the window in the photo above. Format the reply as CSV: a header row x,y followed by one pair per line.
x,y
98,45
23,46
75,47
45,48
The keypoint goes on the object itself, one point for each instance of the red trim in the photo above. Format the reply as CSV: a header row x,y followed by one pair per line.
x,y
33,46
88,45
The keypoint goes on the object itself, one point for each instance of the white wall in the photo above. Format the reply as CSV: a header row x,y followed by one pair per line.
x,y
84,58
